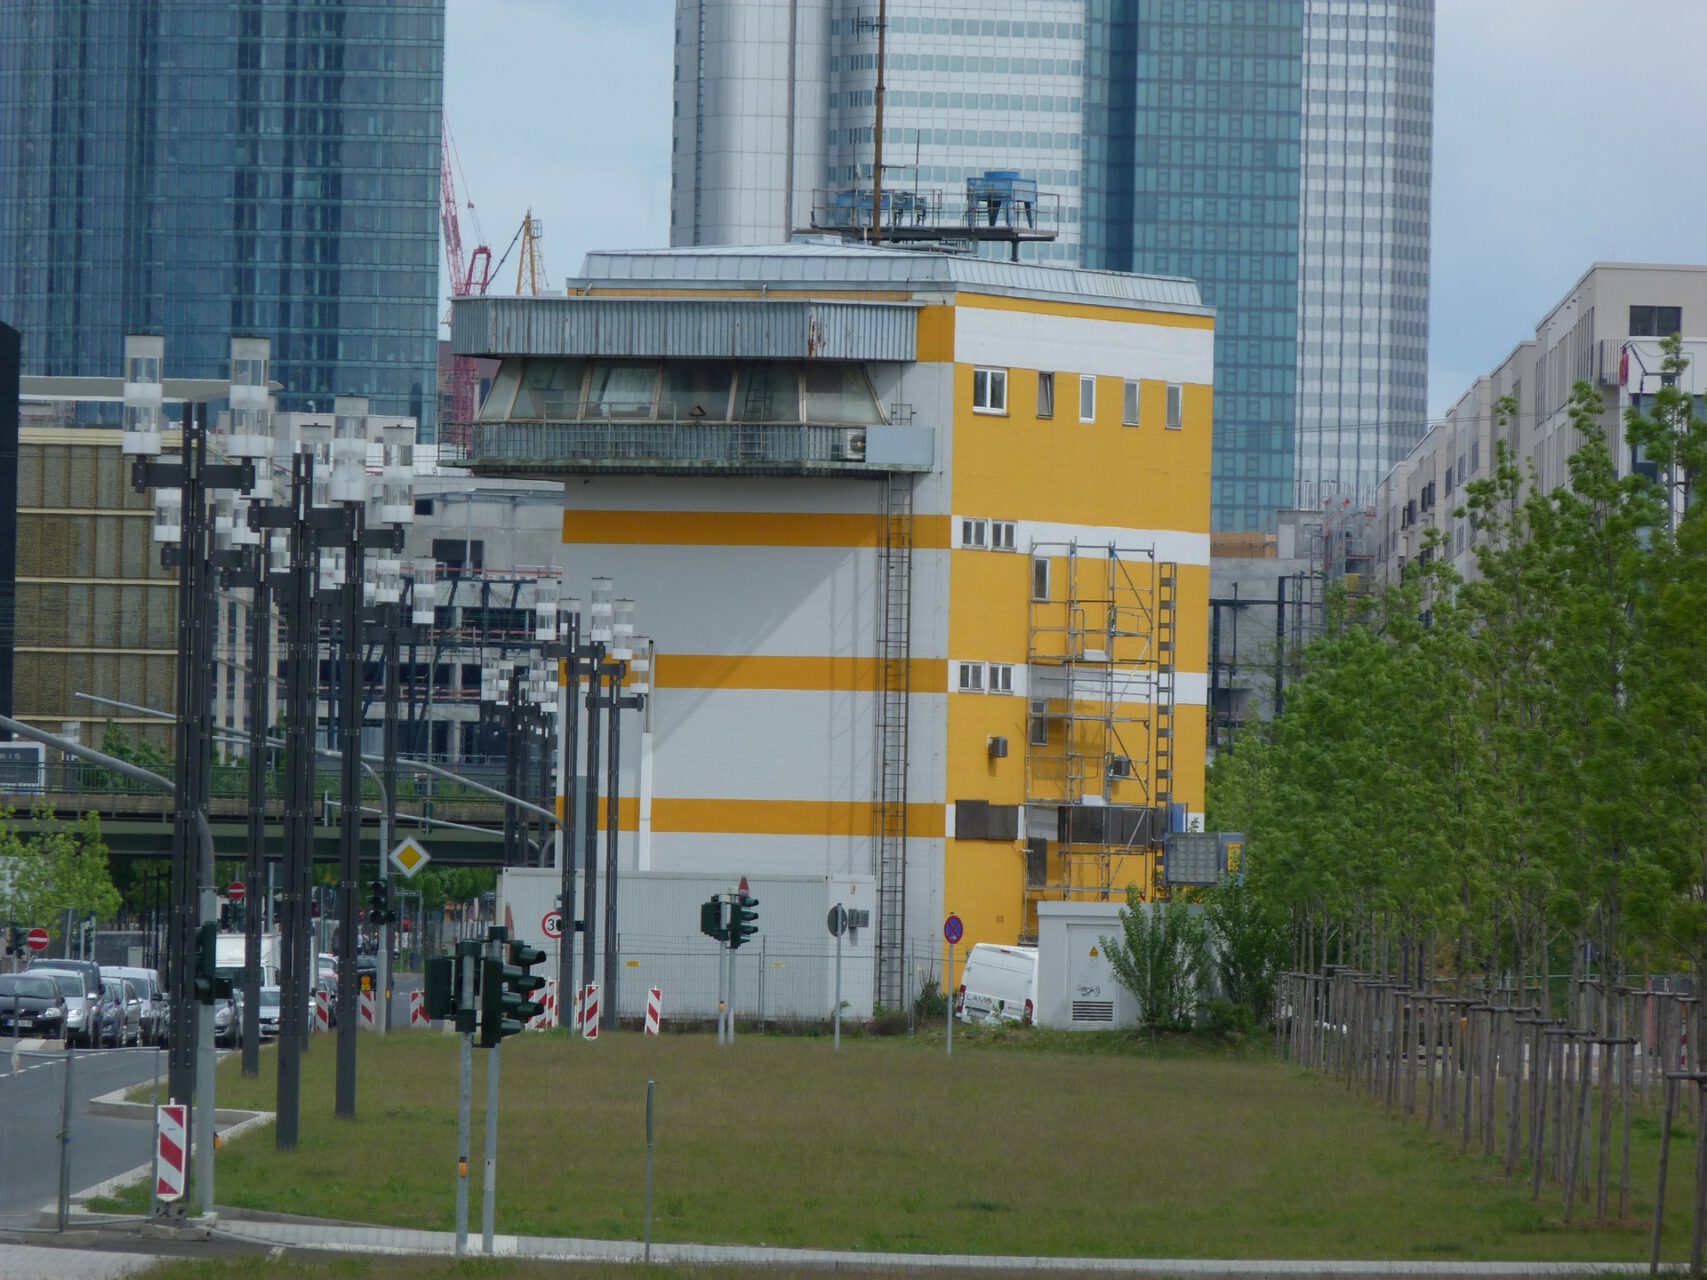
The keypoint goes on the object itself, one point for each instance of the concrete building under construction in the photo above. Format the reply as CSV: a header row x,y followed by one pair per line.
x,y
922,541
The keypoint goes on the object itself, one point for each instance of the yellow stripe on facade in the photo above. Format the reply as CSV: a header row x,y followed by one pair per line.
x,y
786,817
741,529
1085,311
750,671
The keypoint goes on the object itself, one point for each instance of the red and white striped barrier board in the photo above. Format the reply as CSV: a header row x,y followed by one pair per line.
x,y
322,1012
590,1012
172,1157
547,1016
364,1007
418,1010
654,1010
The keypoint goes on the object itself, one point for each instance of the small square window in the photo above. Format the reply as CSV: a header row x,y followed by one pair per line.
x,y
1001,678
974,533
1176,406
1003,535
1046,395
990,390
1129,405
971,677
1087,398
1040,578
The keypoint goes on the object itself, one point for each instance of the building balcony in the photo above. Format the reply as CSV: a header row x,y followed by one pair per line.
x,y
613,446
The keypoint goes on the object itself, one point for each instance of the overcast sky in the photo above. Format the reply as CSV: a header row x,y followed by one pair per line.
x,y
1566,132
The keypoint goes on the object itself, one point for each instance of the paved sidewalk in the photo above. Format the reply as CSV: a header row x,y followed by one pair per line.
x,y
30,1262
353,1239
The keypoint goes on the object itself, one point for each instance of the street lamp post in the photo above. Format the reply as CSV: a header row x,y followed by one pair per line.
x,y
183,525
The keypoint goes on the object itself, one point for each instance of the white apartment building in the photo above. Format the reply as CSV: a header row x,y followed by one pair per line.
x,y
1605,331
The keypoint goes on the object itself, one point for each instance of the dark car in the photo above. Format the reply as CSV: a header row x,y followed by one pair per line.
x,y
31,1005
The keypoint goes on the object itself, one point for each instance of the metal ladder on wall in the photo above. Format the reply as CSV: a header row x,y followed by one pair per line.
x,y
895,554
1167,601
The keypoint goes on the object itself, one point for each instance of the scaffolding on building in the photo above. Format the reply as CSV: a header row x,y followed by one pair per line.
x,y
1100,741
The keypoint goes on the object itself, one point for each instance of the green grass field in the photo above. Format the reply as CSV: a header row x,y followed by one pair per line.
x,y
1089,1147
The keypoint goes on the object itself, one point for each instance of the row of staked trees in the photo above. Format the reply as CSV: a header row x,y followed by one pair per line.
x,y
1503,780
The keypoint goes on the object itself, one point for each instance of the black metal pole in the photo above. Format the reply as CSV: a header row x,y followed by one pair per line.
x,y
566,784
613,830
350,817
590,811
302,646
186,857
254,862
393,695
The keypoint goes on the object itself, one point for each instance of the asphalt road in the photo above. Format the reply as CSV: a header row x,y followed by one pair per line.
x,y
32,1090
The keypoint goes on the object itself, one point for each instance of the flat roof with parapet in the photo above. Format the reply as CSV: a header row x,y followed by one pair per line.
x,y
852,266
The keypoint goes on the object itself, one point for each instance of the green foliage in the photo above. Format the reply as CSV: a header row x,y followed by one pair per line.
x,y
931,1002
1481,776
1161,958
1249,947
62,867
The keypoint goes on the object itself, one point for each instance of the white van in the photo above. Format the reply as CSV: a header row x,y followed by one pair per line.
x,y
998,984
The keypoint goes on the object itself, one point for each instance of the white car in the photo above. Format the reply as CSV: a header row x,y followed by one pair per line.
x,y
998,984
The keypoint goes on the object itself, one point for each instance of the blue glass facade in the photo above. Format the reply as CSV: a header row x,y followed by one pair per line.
x,y
1195,112
208,168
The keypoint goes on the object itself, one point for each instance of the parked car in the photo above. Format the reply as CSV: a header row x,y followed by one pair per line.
x,y
269,1015
80,1004
326,984
228,1021
326,964
31,1005
119,1016
156,1019
998,984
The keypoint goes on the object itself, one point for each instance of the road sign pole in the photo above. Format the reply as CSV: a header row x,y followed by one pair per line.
x,y
838,1040
64,1136
650,1086
947,981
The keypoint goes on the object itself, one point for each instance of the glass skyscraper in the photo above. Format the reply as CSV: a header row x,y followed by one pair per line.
x,y
1196,109
1363,270
202,169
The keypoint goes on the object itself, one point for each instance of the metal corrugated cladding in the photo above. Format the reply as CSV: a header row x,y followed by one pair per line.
x,y
685,328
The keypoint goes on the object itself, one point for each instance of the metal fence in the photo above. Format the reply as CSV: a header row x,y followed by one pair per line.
x,y
61,1140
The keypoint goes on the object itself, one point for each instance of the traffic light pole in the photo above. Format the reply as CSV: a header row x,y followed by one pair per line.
x,y
388,823
260,657
464,980
350,811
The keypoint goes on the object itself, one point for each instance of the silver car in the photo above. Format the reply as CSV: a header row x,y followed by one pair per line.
x,y
155,1019
79,1007
120,1015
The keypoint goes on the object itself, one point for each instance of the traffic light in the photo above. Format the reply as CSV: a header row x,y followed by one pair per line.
x,y
379,903
441,987
207,974
15,944
743,919
711,920
505,1006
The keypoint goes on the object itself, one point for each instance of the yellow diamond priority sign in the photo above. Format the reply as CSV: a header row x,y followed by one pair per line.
x,y
410,856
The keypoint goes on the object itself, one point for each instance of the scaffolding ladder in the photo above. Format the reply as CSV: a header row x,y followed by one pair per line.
x,y
894,678
1167,617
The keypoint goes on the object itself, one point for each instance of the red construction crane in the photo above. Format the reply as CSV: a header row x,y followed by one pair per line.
x,y
466,277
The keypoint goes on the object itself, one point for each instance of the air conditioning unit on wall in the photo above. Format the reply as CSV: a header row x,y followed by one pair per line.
x,y
851,447
998,748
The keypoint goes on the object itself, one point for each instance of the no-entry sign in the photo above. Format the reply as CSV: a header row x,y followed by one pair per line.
x,y
37,938
236,891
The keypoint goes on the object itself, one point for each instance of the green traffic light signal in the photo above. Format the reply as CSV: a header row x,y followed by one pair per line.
x,y
743,919
505,1008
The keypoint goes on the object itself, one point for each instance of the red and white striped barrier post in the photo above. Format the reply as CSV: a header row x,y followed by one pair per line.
x,y
172,1154
364,1006
575,1011
547,1017
590,1012
654,1010
418,1010
322,1011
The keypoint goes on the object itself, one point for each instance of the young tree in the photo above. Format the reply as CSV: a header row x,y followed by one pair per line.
x,y
1160,959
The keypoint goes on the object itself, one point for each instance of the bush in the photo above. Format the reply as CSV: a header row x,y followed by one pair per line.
x,y
932,1001
1229,1018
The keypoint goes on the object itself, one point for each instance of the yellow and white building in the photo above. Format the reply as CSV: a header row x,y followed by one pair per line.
x,y
923,544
